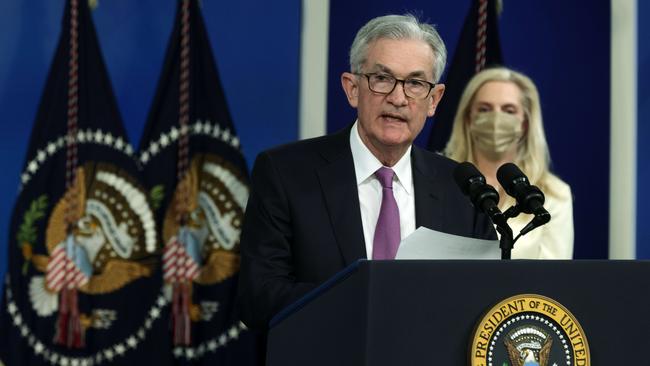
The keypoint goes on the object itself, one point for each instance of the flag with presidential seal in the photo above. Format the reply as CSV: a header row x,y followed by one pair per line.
x,y
197,176
81,287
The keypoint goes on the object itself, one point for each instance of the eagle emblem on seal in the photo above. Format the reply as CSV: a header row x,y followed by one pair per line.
x,y
111,243
528,346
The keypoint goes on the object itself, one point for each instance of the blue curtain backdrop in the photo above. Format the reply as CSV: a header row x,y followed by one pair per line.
x,y
255,44
643,133
563,46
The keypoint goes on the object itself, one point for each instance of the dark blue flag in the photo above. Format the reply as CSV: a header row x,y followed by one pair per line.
x,y
193,165
81,287
477,48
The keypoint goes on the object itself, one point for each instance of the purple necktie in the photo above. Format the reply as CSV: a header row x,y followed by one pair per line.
x,y
387,231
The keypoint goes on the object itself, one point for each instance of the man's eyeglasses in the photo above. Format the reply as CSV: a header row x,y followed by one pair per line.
x,y
385,84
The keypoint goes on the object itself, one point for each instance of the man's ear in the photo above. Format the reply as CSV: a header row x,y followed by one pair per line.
x,y
351,87
436,96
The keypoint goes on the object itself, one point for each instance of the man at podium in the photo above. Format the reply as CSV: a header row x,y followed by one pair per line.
x,y
318,205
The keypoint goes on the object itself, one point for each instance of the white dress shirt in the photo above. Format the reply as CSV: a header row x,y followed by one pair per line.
x,y
370,191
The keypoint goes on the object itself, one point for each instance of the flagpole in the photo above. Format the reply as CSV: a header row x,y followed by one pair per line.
x,y
69,332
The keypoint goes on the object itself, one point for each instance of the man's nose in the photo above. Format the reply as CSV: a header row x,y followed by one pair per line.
x,y
397,97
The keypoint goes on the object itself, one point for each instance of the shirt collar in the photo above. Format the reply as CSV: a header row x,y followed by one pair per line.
x,y
366,164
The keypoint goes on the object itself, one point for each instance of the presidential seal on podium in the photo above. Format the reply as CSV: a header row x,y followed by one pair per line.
x,y
529,330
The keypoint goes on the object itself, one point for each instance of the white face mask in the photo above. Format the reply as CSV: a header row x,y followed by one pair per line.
x,y
495,132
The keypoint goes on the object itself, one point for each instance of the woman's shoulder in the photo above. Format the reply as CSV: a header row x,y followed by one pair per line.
x,y
556,187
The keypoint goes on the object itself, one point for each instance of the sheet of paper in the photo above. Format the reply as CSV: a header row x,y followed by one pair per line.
x,y
425,243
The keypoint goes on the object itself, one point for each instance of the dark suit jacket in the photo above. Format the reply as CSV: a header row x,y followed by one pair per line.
x,y
303,222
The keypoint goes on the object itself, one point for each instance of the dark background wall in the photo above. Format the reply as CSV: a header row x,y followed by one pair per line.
x,y
563,46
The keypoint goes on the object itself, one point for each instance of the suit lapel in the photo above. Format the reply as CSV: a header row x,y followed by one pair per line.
x,y
338,183
429,207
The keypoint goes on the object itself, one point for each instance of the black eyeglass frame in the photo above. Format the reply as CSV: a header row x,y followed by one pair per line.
x,y
368,75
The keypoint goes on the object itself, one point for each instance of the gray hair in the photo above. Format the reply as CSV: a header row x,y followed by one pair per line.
x,y
398,27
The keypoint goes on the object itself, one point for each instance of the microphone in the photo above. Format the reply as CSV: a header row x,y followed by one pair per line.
x,y
530,198
482,195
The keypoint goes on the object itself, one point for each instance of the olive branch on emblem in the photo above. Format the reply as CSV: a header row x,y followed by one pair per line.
x,y
27,234
156,195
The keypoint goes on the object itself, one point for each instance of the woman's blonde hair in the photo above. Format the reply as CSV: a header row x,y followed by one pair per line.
x,y
532,150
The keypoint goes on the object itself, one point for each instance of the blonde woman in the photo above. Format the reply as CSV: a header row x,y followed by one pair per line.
x,y
499,120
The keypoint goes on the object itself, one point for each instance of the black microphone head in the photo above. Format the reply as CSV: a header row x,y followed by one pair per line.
x,y
516,184
509,175
464,174
535,194
482,195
